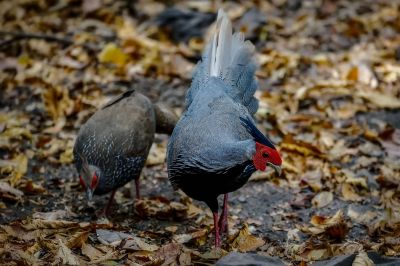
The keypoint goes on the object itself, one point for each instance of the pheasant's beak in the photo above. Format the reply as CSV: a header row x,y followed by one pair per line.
x,y
277,168
89,193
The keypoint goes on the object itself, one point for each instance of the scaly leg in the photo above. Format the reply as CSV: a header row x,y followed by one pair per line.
x,y
216,230
223,219
106,211
137,189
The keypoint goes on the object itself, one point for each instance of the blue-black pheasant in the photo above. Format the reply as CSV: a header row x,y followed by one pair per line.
x,y
216,146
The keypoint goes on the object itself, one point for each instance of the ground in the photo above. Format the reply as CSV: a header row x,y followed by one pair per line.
x,y
329,91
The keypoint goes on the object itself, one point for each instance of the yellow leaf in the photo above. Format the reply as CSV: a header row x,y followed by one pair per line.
x,y
353,74
111,53
67,156
24,60
16,168
57,102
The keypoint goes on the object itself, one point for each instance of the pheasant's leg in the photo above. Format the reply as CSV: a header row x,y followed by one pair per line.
x,y
137,188
223,219
216,230
106,210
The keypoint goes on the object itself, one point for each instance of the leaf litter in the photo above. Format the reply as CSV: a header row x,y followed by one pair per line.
x,y
329,97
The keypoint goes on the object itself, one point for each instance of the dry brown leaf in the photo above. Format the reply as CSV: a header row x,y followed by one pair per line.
x,y
362,259
49,224
334,227
65,255
168,253
322,199
77,239
57,102
379,99
185,259
29,187
184,238
89,6
316,254
15,168
214,254
91,252
160,208
8,191
349,193
302,147
137,243
156,155
53,215
19,232
364,217
114,238
244,241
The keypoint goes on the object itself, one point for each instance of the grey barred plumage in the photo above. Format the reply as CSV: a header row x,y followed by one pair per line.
x,y
112,146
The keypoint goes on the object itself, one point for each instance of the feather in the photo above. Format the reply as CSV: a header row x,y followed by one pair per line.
x,y
230,58
257,135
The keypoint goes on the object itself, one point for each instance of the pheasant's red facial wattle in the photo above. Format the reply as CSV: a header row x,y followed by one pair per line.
x,y
264,155
95,181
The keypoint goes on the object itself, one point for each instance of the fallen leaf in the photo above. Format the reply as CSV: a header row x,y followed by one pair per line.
x,y
29,187
379,99
156,155
362,217
302,147
349,193
15,168
91,252
65,255
114,238
77,239
214,254
111,53
322,199
160,208
53,215
362,259
185,259
57,102
334,227
244,241
89,6
316,254
136,243
8,191
168,253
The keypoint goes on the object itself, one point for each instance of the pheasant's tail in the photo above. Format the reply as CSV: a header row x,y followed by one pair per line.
x,y
228,57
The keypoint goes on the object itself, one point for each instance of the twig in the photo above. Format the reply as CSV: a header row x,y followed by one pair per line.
x,y
17,36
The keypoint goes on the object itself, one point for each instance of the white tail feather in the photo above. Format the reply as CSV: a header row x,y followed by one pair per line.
x,y
225,46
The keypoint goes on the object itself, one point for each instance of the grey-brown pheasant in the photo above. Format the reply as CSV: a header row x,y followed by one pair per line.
x,y
112,146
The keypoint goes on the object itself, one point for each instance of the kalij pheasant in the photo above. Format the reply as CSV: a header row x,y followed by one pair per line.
x,y
215,146
112,146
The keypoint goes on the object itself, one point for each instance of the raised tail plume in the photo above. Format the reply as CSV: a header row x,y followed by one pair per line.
x,y
228,57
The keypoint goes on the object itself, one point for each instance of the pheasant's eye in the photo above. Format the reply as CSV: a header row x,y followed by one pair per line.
x,y
265,155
